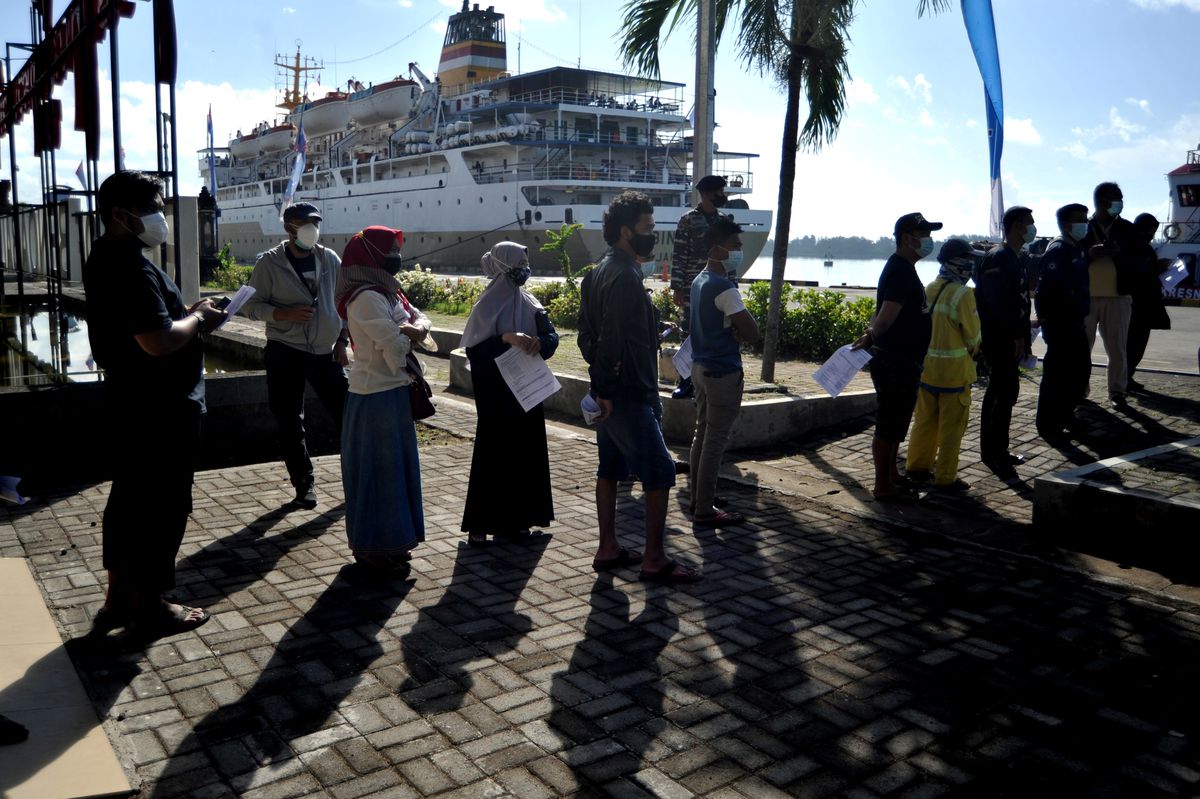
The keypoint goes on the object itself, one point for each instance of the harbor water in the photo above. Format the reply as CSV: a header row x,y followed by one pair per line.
x,y
846,272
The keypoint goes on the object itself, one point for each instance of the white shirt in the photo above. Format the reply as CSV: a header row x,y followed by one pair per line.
x,y
380,348
729,302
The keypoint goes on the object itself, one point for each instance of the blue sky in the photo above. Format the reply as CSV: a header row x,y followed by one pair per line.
x,y
1094,90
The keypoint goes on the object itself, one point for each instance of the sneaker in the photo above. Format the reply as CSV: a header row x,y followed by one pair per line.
x,y
306,496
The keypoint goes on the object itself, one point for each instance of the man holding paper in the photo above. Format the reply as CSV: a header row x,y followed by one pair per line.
x,y
618,336
719,325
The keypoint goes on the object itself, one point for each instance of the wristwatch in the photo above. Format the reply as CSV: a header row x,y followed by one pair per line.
x,y
200,327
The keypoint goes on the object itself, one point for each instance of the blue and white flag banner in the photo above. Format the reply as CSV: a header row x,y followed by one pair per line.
x,y
297,170
981,30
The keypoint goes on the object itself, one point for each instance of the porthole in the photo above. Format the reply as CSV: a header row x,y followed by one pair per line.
x,y
537,215
481,201
506,198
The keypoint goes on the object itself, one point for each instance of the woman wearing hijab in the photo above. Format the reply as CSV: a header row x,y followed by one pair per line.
x,y
509,490
381,473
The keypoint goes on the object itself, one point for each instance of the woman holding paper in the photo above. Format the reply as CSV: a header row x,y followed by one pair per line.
x,y
509,489
381,472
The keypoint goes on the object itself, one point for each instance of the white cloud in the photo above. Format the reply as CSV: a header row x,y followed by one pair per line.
x,y
972,123
859,92
926,119
1021,131
1075,148
404,3
1163,5
1009,180
1142,104
1117,126
289,10
919,89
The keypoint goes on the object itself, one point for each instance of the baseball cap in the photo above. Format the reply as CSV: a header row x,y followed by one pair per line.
x,y
960,252
710,183
301,211
915,221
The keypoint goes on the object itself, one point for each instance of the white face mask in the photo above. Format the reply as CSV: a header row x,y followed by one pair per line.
x,y
155,230
733,264
307,235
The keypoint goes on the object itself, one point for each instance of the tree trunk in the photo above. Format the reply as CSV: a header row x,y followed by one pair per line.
x,y
783,212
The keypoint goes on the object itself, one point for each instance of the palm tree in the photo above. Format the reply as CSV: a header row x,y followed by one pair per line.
x,y
800,43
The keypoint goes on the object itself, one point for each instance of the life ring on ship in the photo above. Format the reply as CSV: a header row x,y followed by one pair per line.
x,y
737,181
1171,231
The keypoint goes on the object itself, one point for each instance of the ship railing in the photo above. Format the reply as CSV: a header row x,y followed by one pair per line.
x,y
571,134
555,95
578,172
1193,158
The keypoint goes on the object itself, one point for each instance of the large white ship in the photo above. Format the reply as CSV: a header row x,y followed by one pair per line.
x,y
475,156
1181,233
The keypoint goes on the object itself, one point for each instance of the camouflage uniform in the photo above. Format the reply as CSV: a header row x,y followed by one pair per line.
x,y
691,253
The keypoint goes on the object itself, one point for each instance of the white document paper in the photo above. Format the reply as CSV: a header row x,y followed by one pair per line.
x,y
237,301
8,490
1176,273
527,376
683,359
837,372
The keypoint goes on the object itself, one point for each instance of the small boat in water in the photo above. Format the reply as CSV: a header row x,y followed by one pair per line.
x,y
828,261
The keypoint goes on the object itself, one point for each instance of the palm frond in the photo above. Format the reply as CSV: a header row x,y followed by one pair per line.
x,y
933,6
646,25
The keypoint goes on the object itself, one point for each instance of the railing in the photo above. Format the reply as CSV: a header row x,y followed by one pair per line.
x,y
558,94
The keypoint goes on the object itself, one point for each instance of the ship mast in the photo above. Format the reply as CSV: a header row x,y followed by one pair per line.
x,y
292,99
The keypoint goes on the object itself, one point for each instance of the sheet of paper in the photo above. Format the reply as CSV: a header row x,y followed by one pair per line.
x,y
683,359
527,376
8,490
1176,273
837,372
237,301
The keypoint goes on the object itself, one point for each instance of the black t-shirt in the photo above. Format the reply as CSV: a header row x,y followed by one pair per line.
x,y
908,336
128,295
306,268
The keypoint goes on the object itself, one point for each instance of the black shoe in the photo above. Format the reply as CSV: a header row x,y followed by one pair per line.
x,y
957,487
684,390
1132,385
1118,399
682,467
1003,470
306,497
919,475
1015,459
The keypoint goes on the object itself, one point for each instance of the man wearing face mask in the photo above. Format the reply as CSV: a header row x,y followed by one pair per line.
x,y
306,339
1112,250
720,324
1001,293
898,336
149,346
618,337
690,252
1062,302
1148,312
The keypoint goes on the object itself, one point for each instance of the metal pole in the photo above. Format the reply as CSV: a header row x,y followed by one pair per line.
x,y
115,76
706,56
175,183
16,204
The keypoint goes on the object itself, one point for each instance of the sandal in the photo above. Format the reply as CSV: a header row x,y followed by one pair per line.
x,y
106,620
167,622
901,496
626,557
721,518
671,574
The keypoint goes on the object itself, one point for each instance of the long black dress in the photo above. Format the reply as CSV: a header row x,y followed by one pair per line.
x,y
509,490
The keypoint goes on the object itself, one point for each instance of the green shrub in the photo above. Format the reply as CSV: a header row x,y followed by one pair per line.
x,y
814,322
664,303
229,274
420,286
564,310
547,292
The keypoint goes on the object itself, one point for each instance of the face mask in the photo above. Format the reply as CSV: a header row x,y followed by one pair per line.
x,y
926,247
1030,233
519,275
393,264
307,235
733,264
1115,207
720,200
1078,230
155,229
643,244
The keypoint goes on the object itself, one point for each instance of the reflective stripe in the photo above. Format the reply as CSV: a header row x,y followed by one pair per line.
x,y
961,352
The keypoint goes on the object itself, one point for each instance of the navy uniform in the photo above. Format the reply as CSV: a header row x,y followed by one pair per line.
x,y
1002,298
1062,301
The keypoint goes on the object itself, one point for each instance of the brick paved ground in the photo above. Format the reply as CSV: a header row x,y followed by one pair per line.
x,y
1173,474
833,649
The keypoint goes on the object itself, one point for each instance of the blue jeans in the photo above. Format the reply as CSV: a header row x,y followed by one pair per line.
x,y
630,441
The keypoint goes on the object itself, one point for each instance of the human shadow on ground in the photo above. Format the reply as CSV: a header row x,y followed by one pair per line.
x,y
475,616
315,667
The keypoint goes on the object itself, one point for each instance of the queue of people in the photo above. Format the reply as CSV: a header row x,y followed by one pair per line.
x,y
1100,272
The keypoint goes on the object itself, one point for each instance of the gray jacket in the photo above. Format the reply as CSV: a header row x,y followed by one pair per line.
x,y
276,285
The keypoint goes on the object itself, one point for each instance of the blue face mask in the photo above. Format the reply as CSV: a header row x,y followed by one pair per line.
x,y
1078,230
519,275
1115,207
1030,234
733,264
926,247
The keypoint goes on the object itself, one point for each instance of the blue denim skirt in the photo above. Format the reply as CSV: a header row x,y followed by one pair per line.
x,y
381,473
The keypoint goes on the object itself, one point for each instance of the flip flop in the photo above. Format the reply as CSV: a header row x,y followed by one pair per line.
x,y
724,518
671,574
166,623
626,557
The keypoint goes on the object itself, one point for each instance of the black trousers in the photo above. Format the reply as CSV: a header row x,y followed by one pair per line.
x,y
999,399
154,450
1139,338
1066,370
288,369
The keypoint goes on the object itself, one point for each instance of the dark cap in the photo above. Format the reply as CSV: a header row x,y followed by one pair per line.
x,y
913,222
959,251
301,211
711,183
